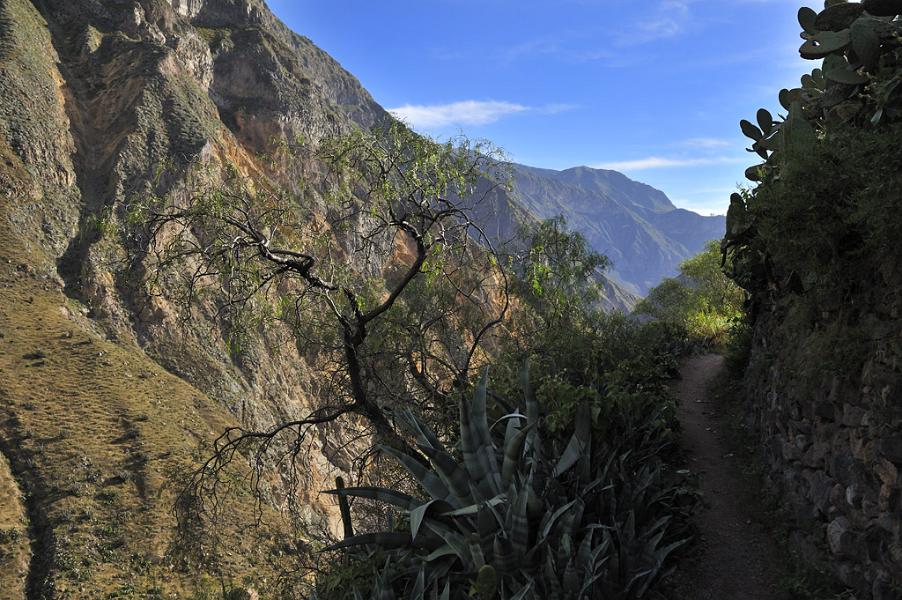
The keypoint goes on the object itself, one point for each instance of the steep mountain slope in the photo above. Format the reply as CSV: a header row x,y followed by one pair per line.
x,y
635,225
107,395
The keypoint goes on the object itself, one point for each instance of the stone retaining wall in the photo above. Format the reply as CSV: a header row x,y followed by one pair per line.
x,y
832,440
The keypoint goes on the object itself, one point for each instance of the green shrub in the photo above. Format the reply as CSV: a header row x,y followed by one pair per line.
x,y
516,512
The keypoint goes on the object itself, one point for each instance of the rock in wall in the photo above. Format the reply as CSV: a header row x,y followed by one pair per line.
x,y
827,402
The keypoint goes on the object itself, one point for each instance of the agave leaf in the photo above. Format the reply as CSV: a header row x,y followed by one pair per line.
x,y
424,434
552,585
384,589
513,451
572,518
503,552
385,495
590,581
584,554
571,454
473,509
417,515
451,473
519,522
476,442
454,540
546,529
440,552
521,594
388,540
419,586
426,478
571,579
487,526
514,416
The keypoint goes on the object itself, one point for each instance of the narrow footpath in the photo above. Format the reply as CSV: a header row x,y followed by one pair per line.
x,y
736,559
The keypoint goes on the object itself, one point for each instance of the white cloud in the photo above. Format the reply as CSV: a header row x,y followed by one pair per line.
x,y
466,112
657,162
706,143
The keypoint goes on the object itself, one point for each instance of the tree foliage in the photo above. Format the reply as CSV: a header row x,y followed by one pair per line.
x,y
702,300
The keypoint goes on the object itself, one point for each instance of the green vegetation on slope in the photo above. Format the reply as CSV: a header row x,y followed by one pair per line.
x,y
702,301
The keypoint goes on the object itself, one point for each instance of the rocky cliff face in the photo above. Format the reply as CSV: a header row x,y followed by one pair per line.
x,y
102,102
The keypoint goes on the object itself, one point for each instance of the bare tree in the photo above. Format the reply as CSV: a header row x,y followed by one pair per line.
x,y
371,258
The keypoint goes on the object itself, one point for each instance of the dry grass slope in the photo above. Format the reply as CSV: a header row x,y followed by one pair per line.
x,y
98,438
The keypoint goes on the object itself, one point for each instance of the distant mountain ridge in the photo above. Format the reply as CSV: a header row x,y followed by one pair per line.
x,y
635,225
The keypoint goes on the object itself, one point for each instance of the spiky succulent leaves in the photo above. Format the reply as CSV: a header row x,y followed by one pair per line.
x,y
578,446
455,541
384,590
514,444
552,520
429,481
388,496
419,586
571,579
552,586
474,509
505,559
423,433
452,474
446,592
419,513
487,525
518,521
476,443
388,540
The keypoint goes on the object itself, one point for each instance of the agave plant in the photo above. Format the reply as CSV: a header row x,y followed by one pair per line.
x,y
518,516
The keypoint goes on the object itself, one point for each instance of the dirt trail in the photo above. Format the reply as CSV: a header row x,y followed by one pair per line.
x,y
737,559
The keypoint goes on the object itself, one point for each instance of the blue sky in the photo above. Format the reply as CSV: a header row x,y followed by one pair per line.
x,y
652,88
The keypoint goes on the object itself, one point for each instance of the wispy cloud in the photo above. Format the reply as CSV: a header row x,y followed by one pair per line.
x,y
667,19
468,112
706,143
658,162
